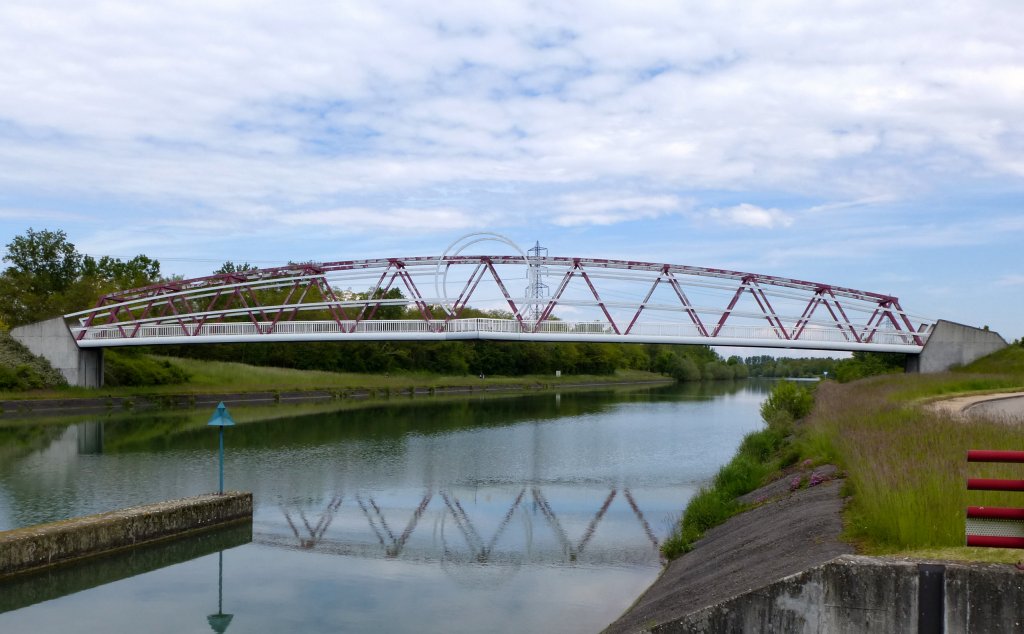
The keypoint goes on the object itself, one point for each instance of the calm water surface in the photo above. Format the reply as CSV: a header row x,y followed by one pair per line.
x,y
539,513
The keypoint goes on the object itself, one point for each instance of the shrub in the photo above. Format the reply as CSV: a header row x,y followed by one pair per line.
x,y
683,370
20,377
718,371
762,445
22,370
787,402
707,509
753,462
130,368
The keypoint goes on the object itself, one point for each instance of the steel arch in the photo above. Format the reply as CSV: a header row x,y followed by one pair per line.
x,y
618,297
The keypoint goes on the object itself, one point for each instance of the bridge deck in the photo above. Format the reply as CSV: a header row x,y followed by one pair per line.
x,y
485,329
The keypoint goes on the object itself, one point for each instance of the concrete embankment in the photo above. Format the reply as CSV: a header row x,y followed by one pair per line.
x,y
787,532
36,547
871,594
781,567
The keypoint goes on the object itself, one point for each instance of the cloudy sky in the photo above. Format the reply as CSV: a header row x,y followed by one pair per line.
x,y
870,144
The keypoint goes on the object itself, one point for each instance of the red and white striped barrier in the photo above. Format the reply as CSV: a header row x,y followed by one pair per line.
x,y
992,526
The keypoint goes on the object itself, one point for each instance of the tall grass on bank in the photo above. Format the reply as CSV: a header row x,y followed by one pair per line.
x,y
760,454
906,462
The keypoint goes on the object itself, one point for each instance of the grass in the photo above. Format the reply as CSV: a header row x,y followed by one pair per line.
x,y
963,553
760,455
210,377
907,463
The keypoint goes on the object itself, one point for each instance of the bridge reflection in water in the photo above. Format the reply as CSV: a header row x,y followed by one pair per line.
x,y
524,527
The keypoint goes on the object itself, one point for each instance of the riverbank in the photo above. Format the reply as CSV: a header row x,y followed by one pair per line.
x,y
236,383
785,533
903,439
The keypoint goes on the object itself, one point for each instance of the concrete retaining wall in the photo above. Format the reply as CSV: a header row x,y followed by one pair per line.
x,y
35,547
22,590
952,344
52,340
855,594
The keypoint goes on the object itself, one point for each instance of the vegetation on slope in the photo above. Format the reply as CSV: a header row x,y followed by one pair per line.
x,y
907,461
129,367
761,455
22,370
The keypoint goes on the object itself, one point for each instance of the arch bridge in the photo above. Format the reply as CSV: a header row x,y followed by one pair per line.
x,y
519,297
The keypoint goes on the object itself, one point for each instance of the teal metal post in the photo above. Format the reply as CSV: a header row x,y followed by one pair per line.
x,y
221,418
220,489
219,622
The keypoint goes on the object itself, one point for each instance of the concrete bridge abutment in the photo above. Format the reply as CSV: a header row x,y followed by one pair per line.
x,y
52,340
952,344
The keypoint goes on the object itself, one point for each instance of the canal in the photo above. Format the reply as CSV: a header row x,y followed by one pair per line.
x,y
532,513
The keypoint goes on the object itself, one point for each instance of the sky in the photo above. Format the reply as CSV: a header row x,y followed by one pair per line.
x,y
867,144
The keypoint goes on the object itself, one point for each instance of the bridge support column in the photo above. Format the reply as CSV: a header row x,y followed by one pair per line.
x,y
952,344
52,340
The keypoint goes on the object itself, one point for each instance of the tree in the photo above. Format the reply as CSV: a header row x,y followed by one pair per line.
x,y
44,258
49,277
112,272
386,311
231,267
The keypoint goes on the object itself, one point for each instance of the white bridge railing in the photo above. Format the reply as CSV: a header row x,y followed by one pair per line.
x,y
479,328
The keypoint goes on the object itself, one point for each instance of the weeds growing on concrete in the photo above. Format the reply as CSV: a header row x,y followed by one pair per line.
x,y
761,454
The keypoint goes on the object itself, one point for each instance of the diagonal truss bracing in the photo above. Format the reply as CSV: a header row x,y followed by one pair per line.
x,y
619,300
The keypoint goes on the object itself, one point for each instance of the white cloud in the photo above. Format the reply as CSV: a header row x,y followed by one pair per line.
x,y
209,128
847,204
359,220
606,208
709,96
751,216
1010,279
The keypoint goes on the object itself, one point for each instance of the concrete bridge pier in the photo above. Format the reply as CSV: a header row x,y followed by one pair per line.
x,y
951,344
52,340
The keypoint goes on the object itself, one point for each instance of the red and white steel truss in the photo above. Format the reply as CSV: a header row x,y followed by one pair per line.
x,y
589,300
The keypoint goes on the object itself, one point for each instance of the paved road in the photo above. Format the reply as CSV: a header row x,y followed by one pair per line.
x,y
1011,403
1002,406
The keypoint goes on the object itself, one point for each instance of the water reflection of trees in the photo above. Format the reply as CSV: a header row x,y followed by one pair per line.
x,y
390,419
467,545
